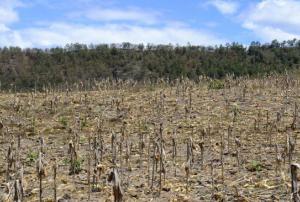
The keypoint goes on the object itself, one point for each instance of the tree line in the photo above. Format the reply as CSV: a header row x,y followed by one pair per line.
x,y
34,67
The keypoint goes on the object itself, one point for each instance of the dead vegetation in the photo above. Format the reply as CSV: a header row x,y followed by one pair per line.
x,y
168,141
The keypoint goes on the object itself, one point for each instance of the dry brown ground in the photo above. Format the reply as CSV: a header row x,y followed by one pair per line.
x,y
143,109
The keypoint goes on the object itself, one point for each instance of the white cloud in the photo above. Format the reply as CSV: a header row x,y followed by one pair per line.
x,y
12,38
8,13
274,19
114,14
62,33
225,6
3,28
268,33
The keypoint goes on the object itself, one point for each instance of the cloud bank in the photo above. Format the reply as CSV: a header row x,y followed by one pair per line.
x,y
110,25
274,19
107,22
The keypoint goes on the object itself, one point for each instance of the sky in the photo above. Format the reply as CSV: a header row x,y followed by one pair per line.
x,y
50,23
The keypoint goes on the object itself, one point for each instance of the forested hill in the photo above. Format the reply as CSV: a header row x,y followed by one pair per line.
x,y
26,68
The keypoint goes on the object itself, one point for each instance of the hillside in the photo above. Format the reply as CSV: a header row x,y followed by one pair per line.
x,y
29,68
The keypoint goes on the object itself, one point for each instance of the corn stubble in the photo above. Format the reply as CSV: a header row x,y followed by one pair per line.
x,y
229,140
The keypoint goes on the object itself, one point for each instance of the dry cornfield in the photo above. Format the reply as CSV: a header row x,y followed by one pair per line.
x,y
229,140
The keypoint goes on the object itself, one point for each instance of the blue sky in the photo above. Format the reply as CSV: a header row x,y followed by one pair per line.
x,y
48,23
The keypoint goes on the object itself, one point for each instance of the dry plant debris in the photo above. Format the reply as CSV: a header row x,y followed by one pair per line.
x,y
163,141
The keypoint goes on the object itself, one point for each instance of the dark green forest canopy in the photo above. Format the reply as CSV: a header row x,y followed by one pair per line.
x,y
28,68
